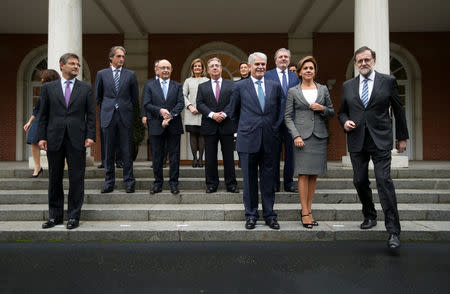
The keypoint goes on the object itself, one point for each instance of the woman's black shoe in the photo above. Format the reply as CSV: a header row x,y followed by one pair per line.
x,y
40,172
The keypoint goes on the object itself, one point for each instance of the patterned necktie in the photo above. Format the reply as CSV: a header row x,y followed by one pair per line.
x,y
261,95
365,93
116,80
67,93
164,88
217,90
284,83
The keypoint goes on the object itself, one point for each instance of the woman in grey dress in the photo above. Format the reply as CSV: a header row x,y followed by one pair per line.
x,y
193,118
310,104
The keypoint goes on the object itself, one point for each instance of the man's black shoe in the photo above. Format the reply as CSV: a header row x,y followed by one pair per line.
x,y
290,189
129,189
72,224
393,241
368,224
100,165
276,189
250,224
211,190
51,223
107,189
174,190
233,189
273,224
155,190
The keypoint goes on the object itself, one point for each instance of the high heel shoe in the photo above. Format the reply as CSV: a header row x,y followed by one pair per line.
x,y
39,172
200,163
308,226
314,223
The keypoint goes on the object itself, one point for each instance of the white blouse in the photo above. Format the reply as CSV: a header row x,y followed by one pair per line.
x,y
310,95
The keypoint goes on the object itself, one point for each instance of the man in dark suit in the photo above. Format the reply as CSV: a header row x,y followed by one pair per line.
x,y
257,102
213,97
163,100
286,79
66,129
117,92
364,115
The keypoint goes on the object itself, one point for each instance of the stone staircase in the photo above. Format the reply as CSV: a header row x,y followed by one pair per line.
x,y
423,194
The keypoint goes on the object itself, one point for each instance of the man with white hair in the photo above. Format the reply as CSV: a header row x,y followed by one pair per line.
x,y
257,103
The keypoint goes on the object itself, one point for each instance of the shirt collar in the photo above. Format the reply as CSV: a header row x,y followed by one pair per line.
x,y
371,77
113,68
255,80
280,70
161,81
219,79
63,81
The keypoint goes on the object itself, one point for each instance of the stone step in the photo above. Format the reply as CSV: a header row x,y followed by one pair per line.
x,y
189,172
157,231
196,184
220,197
219,212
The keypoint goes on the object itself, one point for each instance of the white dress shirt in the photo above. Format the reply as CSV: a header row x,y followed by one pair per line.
x,y
280,76
63,84
369,83
256,85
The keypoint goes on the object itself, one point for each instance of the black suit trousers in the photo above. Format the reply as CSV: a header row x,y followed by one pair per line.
x,y
76,163
211,172
288,171
250,162
115,130
161,145
385,186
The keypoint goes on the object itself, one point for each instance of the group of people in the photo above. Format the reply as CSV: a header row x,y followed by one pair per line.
x,y
267,109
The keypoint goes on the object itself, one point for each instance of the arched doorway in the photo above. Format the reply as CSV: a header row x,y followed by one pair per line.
x,y
230,57
405,69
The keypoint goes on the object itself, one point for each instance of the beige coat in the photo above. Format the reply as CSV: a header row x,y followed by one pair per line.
x,y
190,87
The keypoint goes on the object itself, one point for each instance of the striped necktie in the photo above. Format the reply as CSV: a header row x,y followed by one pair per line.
x,y
116,80
365,93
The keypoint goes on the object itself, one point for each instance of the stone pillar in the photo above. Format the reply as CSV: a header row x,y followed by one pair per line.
x,y
372,30
64,30
64,35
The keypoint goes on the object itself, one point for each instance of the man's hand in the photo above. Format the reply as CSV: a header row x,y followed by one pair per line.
x,y
88,143
401,146
218,117
165,113
43,144
298,142
144,120
166,122
316,107
349,125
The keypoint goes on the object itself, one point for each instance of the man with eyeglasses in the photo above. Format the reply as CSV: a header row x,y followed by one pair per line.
x,y
163,99
117,93
364,115
66,129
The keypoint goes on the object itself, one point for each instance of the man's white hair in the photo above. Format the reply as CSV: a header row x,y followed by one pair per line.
x,y
253,56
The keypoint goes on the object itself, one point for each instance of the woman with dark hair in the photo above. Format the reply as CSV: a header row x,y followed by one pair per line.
x,y
309,102
244,70
47,75
193,118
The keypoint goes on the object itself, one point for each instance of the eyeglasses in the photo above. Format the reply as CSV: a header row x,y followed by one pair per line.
x,y
366,60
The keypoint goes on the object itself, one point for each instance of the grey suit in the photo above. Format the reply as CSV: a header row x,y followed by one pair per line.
x,y
310,126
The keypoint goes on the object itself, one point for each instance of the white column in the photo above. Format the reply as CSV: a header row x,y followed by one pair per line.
x,y
64,30
372,30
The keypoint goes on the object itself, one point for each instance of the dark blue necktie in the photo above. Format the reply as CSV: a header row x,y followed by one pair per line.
x,y
284,83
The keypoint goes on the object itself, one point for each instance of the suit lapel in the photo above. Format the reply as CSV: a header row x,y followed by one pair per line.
x,y
211,92
377,83
300,95
123,75
320,94
355,86
267,95
75,92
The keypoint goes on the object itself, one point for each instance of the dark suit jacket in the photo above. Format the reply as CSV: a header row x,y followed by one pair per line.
x,y
153,100
206,103
293,81
307,121
107,96
376,116
78,120
256,127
